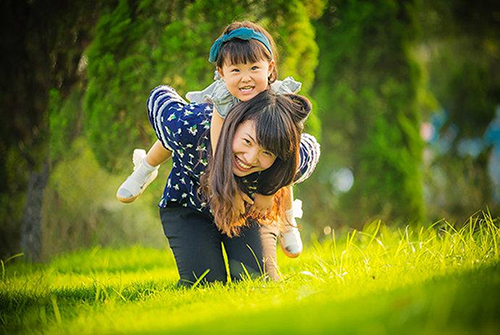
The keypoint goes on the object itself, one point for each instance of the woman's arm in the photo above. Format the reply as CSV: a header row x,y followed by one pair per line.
x,y
162,103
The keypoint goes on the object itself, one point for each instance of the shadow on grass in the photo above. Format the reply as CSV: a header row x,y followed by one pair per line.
x,y
31,310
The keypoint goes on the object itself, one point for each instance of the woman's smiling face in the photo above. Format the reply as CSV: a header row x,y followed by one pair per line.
x,y
248,155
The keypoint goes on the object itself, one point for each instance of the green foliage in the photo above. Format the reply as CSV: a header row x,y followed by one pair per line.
x,y
295,36
448,179
118,69
367,86
65,122
460,48
147,43
466,87
81,211
436,279
468,92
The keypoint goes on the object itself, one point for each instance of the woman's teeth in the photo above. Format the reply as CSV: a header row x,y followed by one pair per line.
x,y
242,165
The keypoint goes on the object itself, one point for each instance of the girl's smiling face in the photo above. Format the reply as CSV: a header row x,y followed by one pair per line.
x,y
245,81
248,155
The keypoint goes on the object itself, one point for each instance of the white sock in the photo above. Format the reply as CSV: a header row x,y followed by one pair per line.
x,y
143,171
290,220
148,166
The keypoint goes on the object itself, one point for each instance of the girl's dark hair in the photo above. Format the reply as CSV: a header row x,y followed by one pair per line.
x,y
238,51
278,125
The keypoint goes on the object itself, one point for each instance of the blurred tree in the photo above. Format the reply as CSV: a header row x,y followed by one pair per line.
x,y
42,44
138,45
366,87
463,40
141,44
462,47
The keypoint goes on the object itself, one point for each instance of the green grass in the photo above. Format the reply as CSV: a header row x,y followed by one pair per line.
x,y
380,280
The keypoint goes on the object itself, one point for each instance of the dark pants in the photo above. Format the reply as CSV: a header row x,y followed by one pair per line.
x,y
197,246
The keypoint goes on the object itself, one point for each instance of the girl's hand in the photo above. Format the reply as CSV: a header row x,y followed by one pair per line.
x,y
239,202
262,205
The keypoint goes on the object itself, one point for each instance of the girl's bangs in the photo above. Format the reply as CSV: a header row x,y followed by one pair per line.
x,y
242,52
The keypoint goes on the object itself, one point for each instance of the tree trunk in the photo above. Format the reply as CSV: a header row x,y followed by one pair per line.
x,y
31,229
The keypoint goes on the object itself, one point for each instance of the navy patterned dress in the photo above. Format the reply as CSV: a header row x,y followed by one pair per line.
x,y
184,129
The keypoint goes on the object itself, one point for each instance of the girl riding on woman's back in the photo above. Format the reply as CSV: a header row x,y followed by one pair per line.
x,y
245,58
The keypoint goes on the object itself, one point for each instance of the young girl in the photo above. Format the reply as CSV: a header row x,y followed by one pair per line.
x,y
245,58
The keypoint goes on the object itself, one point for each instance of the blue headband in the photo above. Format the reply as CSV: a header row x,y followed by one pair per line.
x,y
240,33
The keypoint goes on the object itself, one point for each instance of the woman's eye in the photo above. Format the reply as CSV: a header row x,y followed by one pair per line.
x,y
246,141
268,153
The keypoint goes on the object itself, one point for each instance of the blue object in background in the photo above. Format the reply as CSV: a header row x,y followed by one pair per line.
x,y
492,137
441,140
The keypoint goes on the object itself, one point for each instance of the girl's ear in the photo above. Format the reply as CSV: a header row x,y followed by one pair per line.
x,y
221,74
272,64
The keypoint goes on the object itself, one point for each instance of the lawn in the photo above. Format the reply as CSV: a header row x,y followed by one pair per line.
x,y
382,280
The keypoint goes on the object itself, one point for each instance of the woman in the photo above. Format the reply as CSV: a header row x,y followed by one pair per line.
x,y
202,208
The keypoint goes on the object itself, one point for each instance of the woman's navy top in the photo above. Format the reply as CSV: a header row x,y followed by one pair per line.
x,y
184,129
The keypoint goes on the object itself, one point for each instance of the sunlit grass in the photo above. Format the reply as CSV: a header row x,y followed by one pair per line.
x,y
379,280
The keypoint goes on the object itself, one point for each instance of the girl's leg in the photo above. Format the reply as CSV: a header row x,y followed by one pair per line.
x,y
196,244
290,240
145,171
157,154
255,248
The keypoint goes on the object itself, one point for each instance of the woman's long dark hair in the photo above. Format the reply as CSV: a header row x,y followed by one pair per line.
x,y
278,125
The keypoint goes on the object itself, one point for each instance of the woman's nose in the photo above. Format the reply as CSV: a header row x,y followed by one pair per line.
x,y
252,157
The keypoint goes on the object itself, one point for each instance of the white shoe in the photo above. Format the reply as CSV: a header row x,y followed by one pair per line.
x,y
139,180
291,243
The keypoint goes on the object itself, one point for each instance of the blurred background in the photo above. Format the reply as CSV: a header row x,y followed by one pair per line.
x,y
406,101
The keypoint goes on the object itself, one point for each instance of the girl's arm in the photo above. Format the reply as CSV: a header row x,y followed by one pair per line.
x,y
215,129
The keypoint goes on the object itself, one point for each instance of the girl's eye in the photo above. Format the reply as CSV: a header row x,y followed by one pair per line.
x,y
268,153
235,70
246,141
255,68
